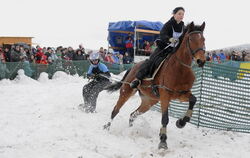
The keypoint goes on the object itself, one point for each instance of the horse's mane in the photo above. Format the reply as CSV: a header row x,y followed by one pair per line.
x,y
187,30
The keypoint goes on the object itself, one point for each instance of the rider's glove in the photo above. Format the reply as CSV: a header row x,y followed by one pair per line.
x,y
173,40
90,76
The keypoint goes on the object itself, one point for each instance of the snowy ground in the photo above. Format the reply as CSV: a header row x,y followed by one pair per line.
x,y
40,119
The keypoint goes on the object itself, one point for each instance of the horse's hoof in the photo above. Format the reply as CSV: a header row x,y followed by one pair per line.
x,y
130,123
180,123
163,145
107,126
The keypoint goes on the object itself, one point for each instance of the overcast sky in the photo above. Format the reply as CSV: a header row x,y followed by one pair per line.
x,y
71,22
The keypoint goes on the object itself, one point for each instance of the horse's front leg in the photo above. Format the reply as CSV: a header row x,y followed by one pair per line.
x,y
164,122
182,121
163,131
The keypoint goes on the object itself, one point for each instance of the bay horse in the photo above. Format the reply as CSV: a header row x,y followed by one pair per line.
x,y
174,81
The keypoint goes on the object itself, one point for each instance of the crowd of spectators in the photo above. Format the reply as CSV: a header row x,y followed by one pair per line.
x,y
39,55
221,56
48,55
144,48
58,57
147,48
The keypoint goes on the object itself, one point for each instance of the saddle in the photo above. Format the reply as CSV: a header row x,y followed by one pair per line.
x,y
155,87
151,77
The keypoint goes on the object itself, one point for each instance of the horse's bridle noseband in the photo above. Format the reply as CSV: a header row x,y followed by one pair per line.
x,y
188,44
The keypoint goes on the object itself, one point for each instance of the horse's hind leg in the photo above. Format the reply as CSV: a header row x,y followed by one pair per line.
x,y
182,121
144,107
125,93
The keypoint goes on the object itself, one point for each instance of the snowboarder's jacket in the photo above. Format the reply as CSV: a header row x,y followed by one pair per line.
x,y
98,72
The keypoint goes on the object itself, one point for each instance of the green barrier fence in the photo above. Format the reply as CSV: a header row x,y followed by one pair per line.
x,y
222,90
223,98
9,69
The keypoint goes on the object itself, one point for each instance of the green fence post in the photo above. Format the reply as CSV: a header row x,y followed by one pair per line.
x,y
202,71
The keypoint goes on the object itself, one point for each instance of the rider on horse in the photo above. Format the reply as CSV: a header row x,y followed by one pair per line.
x,y
169,39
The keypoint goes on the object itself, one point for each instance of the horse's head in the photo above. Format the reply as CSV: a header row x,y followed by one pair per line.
x,y
196,43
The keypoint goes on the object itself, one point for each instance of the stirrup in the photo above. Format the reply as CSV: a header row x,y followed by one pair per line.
x,y
135,83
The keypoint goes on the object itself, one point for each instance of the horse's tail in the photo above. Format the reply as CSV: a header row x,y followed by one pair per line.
x,y
117,85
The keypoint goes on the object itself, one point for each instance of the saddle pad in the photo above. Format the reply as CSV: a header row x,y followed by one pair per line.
x,y
155,72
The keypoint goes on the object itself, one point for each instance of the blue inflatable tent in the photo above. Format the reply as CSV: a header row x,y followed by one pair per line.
x,y
138,30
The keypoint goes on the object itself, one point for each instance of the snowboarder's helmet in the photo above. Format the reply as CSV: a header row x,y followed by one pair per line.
x,y
94,58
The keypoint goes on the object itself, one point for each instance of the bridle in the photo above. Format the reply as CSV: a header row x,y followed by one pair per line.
x,y
188,44
190,49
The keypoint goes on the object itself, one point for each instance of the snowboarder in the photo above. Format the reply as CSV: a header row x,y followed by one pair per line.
x,y
99,75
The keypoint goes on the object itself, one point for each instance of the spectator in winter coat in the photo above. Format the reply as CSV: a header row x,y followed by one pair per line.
x,y
102,53
23,54
2,55
214,56
7,54
127,59
81,48
115,57
53,56
208,57
147,48
40,57
129,46
79,55
59,52
48,52
153,47
70,53
15,54
64,54
222,55
29,54
108,58
244,54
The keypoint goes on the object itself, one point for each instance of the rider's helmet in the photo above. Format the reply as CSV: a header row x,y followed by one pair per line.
x,y
94,58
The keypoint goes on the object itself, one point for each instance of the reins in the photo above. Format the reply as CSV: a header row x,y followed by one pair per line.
x,y
149,86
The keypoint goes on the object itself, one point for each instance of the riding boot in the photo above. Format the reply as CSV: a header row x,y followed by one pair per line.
x,y
135,83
